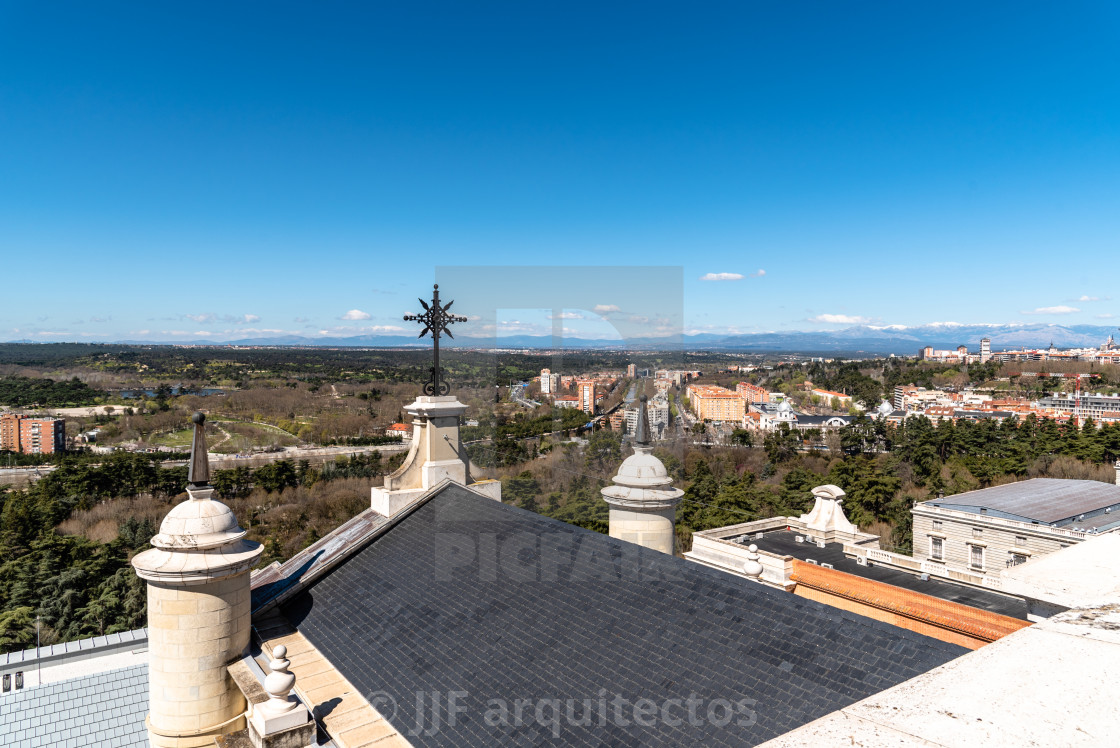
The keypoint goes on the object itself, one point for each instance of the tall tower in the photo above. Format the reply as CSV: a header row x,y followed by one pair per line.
x,y
198,613
585,390
546,382
985,350
643,502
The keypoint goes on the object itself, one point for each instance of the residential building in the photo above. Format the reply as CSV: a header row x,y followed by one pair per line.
x,y
752,393
713,403
985,350
631,370
401,430
585,391
565,401
827,396
9,432
31,434
1092,406
546,382
657,411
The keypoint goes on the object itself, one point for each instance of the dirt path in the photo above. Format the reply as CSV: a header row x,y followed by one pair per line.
x,y
221,441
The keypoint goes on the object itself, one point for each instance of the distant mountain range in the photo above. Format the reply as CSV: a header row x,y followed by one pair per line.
x,y
863,339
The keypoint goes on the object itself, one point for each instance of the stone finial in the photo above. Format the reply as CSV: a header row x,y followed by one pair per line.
x,y
753,567
282,721
641,431
279,683
198,472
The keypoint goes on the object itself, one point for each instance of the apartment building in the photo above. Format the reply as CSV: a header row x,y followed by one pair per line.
x,y
585,392
713,403
752,393
32,435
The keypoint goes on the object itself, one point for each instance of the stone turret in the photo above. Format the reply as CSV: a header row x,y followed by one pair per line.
x,y
436,454
643,502
198,613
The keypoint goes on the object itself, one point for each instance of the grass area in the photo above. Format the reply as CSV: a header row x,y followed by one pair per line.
x,y
244,436
180,439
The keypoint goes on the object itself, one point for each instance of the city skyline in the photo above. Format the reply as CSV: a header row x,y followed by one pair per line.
x,y
302,171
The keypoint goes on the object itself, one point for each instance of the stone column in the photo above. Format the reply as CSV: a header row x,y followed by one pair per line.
x,y
198,616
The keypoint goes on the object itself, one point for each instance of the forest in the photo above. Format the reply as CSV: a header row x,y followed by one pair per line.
x,y
66,541
46,393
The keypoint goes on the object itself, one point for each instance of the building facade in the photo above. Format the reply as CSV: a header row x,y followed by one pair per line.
x,y
712,403
31,435
752,393
992,529
585,392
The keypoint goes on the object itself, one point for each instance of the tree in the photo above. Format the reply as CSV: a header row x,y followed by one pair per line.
x,y
742,437
781,444
17,629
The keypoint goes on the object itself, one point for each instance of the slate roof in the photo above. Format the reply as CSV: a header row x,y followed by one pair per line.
x,y
104,710
558,612
276,581
1048,500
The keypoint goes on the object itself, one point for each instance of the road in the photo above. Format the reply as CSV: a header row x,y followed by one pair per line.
x,y
314,455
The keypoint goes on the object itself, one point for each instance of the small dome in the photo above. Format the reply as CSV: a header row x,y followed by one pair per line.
x,y
200,522
885,408
784,407
642,470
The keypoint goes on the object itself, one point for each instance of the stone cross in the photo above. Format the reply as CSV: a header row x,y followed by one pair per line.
x,y
435,320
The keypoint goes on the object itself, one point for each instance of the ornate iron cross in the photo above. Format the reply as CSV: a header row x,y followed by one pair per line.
x,y
435,320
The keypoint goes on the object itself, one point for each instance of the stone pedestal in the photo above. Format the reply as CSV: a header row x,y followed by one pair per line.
x,y
436,455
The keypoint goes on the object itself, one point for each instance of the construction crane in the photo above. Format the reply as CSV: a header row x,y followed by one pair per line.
x,y
1077,418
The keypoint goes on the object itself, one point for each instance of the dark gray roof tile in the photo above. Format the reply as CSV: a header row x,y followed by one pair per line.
x,y
407,615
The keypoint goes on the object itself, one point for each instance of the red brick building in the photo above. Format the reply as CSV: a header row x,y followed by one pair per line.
x,y
30,435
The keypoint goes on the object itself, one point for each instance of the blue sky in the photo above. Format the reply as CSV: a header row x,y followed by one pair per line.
x,y
224,170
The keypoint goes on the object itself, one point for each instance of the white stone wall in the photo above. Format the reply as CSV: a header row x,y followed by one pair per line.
x,y
651,529
998,541
193,633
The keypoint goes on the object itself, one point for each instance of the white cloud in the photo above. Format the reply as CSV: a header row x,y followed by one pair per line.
x,y
1106,315
605,308
638,319
209,317
568,315
840,319
356,314
758,274
1089,298
723,276
1061,309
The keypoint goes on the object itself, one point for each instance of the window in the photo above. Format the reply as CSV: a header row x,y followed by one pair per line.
x,y
936,549
7,682
1016,559
937,524
977,532
1021,541
976,557
19,680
